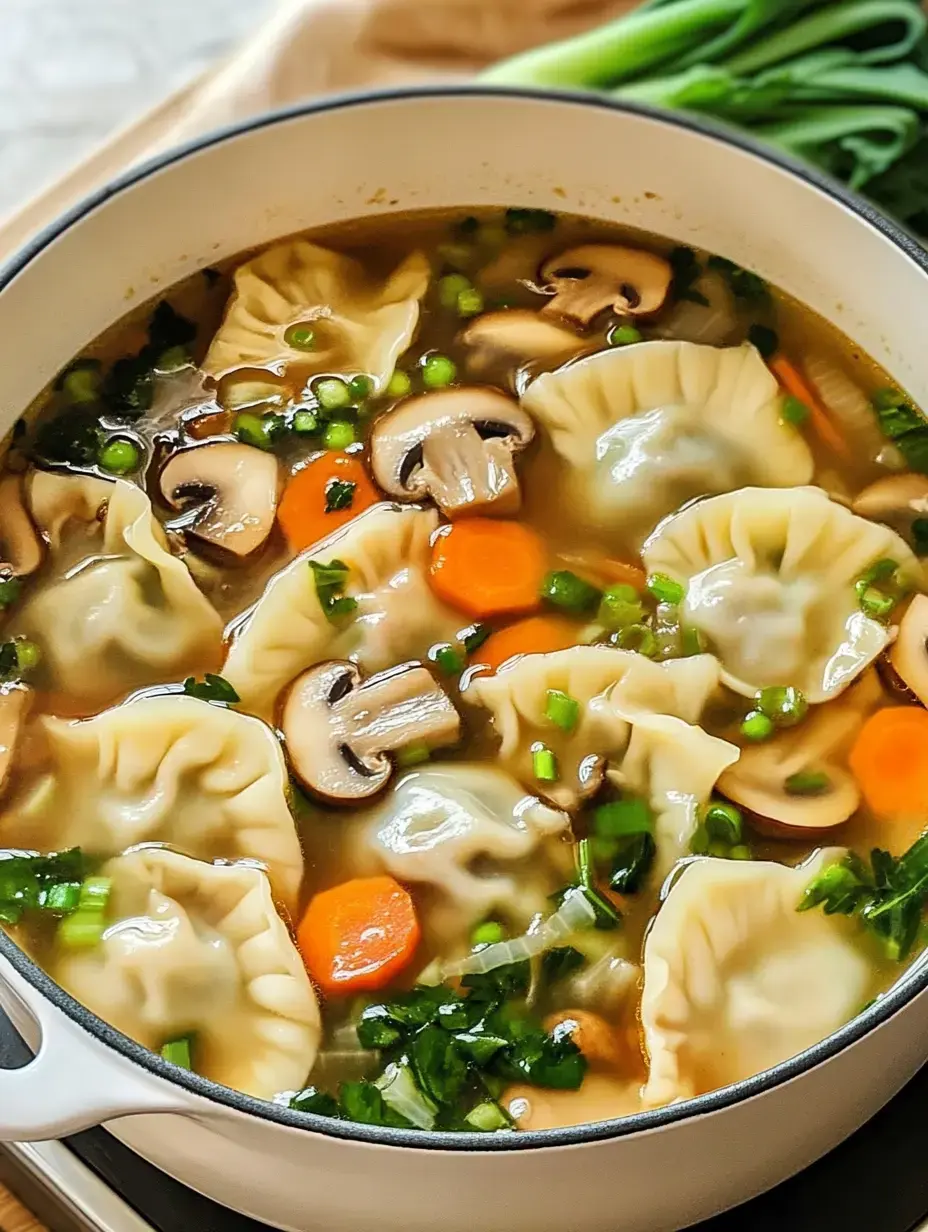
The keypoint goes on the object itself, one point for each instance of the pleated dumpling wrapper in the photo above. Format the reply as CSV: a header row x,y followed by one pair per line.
x,y
641,429
301,310
196,949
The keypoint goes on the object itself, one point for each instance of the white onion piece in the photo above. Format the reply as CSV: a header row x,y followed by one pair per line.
x,y
574,913
398,1088
847,404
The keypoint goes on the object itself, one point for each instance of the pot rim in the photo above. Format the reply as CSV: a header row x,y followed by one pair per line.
x,y
910,984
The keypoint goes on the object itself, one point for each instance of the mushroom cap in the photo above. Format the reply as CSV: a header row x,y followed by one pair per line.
x,y
339,731
22,549
896,500
232,490
909,653
398,437
517,334
591,277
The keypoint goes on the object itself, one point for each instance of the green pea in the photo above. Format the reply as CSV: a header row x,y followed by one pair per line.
x,y
119,456
82,383
300,337
794,411
338,434
740,852
332,393
399,384
438,371
469,302
784,705
623,335
450,287
28,655
487,933
756,726
361,386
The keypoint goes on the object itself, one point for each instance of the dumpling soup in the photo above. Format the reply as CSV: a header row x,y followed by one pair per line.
x,y
467,672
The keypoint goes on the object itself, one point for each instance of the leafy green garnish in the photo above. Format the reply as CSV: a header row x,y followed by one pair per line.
x,y
46,883
339,494
623,842
330,581
212,688
73,436
558,963
904,426
474,636
313,1100
687,271
888,895
519,221
744,285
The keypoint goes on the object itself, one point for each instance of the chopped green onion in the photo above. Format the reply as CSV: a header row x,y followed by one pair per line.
x,y
399,384
740,852
28,655
332,393
177,1052
765,339
794,411
808,783
338,434
723,823
84,928
487,933
487,1118
470,302
10,590
665,589
564,589
620,818
412,755
258,430
874,603
544,765
450,287
608,916
82,382
213,689
119,456
62,898
562,709
756,726
639,638
784,705
448,659
438,371
623,335
692,642
300,337
339,494
305,423
620,607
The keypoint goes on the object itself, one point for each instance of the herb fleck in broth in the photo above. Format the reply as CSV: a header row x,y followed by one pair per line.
x,y
690,505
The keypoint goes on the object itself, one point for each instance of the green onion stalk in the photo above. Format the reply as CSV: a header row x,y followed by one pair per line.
x,y
843,84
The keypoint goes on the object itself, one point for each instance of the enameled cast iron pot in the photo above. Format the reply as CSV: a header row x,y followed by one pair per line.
x,y
373,155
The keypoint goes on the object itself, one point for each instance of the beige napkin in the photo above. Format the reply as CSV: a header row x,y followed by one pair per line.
x,y
313,47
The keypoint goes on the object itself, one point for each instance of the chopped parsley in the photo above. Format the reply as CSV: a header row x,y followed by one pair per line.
x,y
330,582
339,494
212,688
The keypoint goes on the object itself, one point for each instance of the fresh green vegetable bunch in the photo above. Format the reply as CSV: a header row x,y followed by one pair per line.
x,y
841,84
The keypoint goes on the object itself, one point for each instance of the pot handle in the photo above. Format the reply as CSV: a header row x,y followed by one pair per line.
x,y
74,1081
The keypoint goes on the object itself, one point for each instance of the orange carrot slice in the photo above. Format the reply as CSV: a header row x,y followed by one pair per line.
x,y
302,511
488,568
795,383
890,762
537,635
359,935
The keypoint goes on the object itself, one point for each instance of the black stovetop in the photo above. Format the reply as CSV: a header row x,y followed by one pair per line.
x,y
877,1181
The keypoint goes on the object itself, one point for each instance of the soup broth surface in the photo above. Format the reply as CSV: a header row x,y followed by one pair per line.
x,y
466,671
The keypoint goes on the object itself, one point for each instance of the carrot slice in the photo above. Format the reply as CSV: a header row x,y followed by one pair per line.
x,y
795,383
537,635
890,762
302,510
488,568
359,935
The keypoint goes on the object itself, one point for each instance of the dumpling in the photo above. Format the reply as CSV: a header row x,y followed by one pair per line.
x,y
57,501
644,428
736,979
387,551
438,823
761,778
770,577
205,780
198,949
359,325
132,616
599,678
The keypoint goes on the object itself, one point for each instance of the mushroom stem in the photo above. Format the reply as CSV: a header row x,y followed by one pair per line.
x,y
394,710
465,471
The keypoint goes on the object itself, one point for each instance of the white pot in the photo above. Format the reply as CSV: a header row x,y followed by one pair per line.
x,y
436,149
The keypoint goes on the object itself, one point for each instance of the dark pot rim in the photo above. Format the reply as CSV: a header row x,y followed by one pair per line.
x,y
911,983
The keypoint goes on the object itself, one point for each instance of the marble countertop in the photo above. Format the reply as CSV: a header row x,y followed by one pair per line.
x,y
72,71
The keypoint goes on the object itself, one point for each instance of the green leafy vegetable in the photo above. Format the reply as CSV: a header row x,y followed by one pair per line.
x,y
313,1100
178,1052
40,883
211,689
339,494
888,895
330,581
558,963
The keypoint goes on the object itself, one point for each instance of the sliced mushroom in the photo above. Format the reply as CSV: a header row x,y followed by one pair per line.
x,y
517,335
768,778
230,491
15,701
339,731
457,446
592,277
896,501
909,654
19,540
